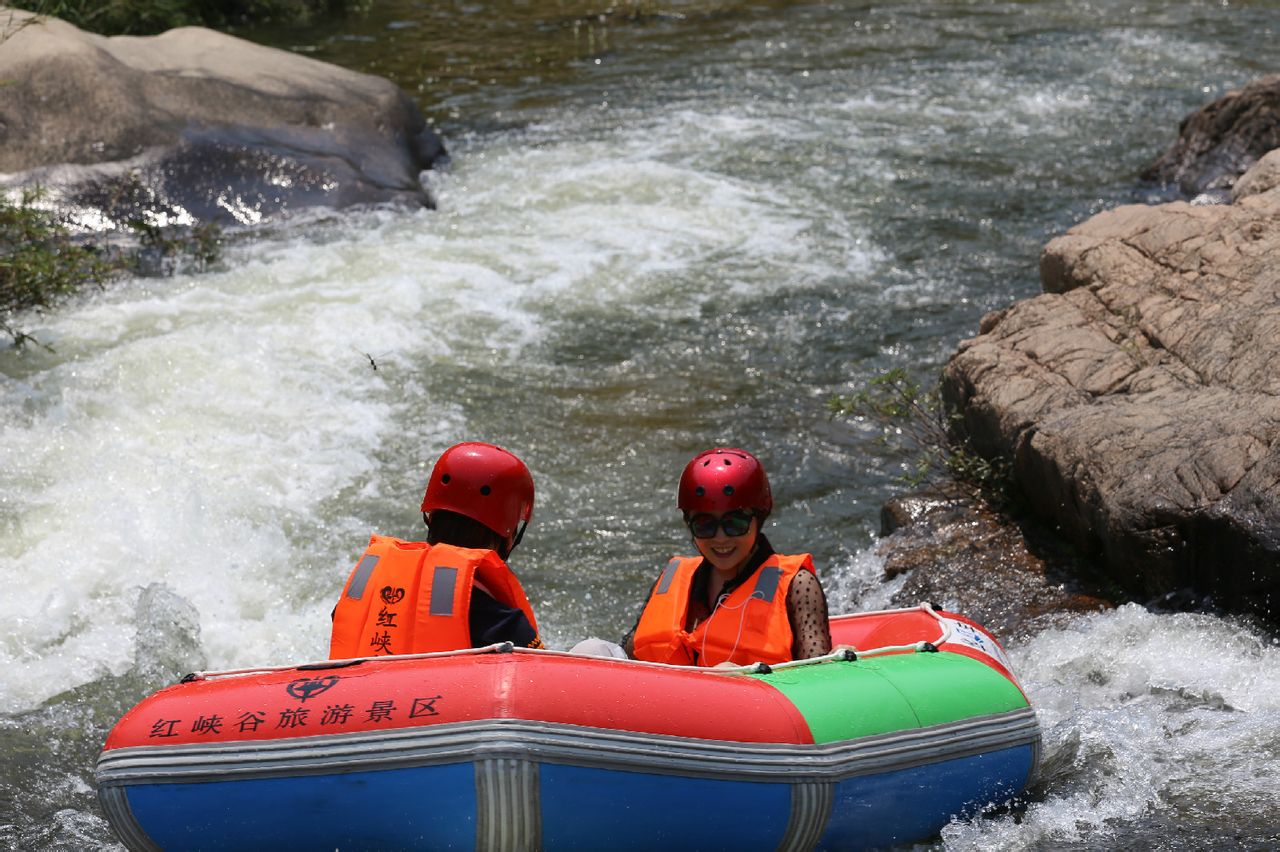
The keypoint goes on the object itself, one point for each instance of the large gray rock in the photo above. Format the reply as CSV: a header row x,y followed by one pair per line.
x,y
1139,396
196,126
1220,141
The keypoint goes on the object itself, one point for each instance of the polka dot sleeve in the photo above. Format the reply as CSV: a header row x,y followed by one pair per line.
x,y
807,609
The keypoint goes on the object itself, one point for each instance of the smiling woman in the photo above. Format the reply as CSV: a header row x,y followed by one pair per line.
x,y
741,602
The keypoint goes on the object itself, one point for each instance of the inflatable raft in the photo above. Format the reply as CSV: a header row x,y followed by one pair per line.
x,y
507,749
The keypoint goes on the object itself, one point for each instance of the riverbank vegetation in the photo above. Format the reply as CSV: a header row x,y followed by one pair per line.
x,y
39,262
42,262
915,421
148,17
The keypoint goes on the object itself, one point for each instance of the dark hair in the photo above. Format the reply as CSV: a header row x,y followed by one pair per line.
x,y
445,527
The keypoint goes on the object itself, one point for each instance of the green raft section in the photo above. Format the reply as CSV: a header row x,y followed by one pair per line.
x,y
895,692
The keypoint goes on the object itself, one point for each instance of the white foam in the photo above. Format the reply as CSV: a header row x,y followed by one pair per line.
x,y
859,586
596,221
1138,710
192,431
178,439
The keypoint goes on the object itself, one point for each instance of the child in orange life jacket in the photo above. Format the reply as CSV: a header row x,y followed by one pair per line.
x,y
454,590
740,602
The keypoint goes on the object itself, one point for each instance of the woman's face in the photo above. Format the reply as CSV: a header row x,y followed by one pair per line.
x,y
726,553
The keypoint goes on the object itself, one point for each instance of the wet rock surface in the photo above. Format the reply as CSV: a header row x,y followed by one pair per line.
x,y
1014,578
1139,397
194,126
1219,142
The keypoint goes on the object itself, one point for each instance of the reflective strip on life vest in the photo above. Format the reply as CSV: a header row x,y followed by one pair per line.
x,y
767,579
443,581
668,574
360,579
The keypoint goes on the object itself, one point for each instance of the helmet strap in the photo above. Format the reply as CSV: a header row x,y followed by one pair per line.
x,y
524,525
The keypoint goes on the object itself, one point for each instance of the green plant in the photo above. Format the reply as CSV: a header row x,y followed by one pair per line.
x,y
147,17
174,248
916,421
39,262
10,26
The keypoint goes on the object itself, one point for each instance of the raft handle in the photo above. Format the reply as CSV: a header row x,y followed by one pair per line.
x,y
192,676
929,647
328,664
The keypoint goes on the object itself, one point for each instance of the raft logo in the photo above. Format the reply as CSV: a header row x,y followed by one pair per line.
x,y
392,596
307,687
972,637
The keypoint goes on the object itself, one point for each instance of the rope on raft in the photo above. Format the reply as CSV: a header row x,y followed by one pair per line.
x,y
837,655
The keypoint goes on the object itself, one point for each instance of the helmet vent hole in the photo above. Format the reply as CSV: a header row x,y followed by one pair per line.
x,y
484,490
728,462
728,489
444,480
700,491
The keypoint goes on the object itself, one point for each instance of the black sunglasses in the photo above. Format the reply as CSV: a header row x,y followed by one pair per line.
x,y
733,523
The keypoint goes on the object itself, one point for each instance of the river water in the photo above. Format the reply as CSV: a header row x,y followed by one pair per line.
x,y
665,226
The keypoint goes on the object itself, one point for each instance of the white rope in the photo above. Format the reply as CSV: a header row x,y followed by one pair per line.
x,y
838,655
841,654
351,661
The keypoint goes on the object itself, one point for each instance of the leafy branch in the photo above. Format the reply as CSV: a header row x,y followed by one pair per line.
x,y
916,421
147,17
42,263
39,263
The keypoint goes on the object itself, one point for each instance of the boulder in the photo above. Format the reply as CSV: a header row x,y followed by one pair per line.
x,y
1220,141
1139,396
1261,177
1015,578
194,126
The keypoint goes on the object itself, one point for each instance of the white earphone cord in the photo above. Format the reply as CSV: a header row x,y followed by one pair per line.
x,y
742,618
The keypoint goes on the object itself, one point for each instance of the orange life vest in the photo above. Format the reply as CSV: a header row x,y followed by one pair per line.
x,y
750,625
410,597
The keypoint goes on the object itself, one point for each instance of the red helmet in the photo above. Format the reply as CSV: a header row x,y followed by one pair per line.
x,y
484,483
722,479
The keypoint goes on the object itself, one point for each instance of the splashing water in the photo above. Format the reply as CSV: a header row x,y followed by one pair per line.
x,y
733,214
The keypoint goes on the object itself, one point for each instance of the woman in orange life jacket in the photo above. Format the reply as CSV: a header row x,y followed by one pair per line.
x,y
739,602
454,590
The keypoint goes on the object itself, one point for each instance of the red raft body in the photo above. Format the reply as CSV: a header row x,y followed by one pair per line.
x,y
514,749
